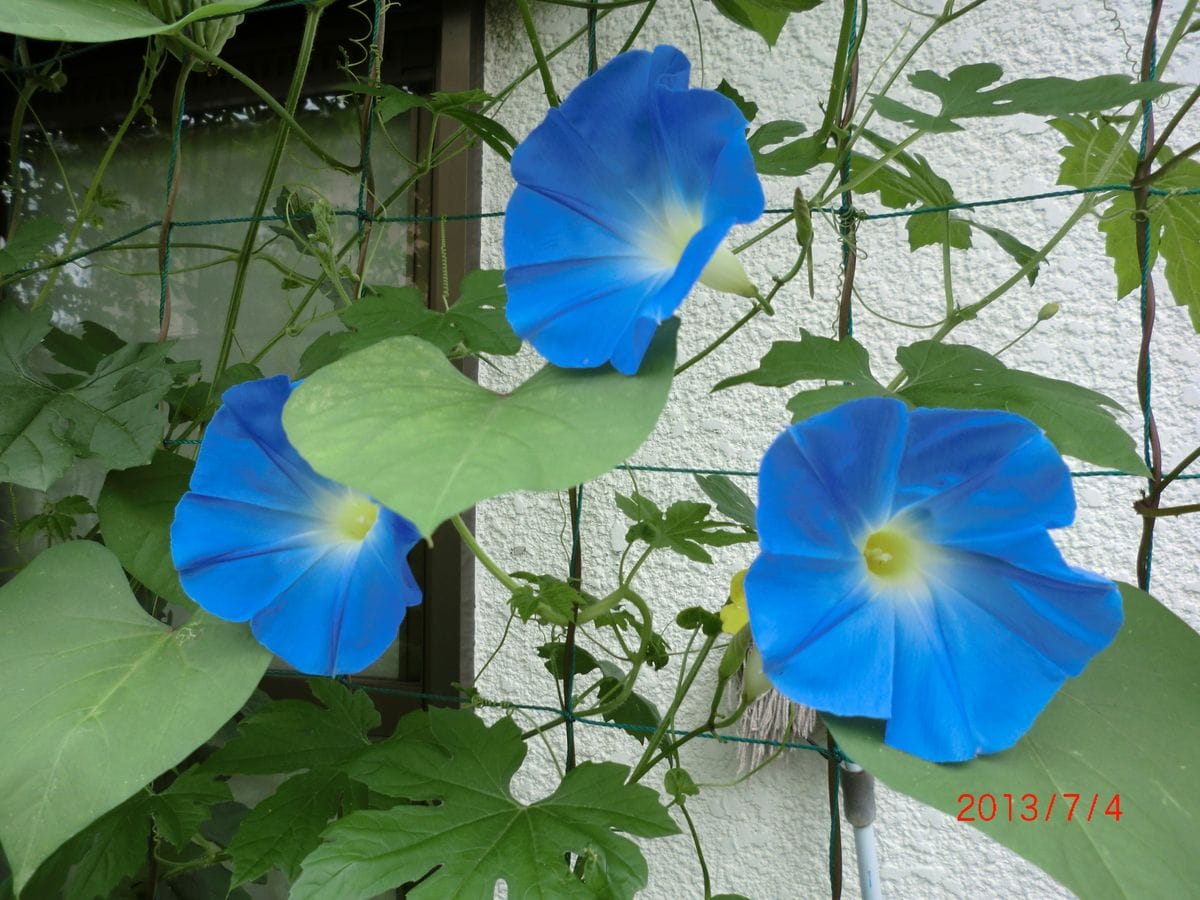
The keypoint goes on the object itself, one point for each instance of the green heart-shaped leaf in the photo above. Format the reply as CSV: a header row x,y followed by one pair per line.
x,y
1128,726
136,508
399,422
100,698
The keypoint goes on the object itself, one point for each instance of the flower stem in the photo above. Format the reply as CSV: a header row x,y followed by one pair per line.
x,y
764,304
1178,470
637,28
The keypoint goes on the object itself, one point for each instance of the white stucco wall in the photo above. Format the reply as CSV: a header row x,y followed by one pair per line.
x,y
767,838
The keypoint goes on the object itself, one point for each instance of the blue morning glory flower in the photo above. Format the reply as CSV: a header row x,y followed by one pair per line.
x,y
907,574
319,570
624,195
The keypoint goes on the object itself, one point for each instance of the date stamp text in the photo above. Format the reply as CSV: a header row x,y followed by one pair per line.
x,y
1059,807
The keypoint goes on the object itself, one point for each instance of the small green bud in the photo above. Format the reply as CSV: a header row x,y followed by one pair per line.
x,y
1047,312
754,681
803,213
679,784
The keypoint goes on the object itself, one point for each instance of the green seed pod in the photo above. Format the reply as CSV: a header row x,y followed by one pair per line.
x,y
754,681
211,34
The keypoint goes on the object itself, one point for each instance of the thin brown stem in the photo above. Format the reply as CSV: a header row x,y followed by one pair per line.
x,y
1152,513
576,581
1142,235
845,221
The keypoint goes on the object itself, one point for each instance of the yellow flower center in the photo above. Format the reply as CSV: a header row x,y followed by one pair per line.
x,y
352,517
890,554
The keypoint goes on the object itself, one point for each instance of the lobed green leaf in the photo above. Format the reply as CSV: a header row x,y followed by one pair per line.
x,y
465,830
962,95
111,414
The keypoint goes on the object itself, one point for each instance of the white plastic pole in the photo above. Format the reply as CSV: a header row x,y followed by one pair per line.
x,y
858,793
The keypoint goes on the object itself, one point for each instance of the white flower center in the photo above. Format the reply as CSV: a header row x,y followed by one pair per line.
x,y
667,239
674,230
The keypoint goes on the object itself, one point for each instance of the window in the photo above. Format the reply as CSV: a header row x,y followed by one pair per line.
x,y
226,139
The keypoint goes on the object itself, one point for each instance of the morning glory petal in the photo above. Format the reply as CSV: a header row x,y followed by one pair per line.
x,y
828,478
557,163
217,542
922,539
813,621
249,439
1066,614
981,472
706,155
553,234
608,132
319,570
624,194
963,686
259,579
359,593
578,311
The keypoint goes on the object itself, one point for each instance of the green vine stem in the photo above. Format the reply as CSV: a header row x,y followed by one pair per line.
x,y
1086,205
638,26
16,128
304,55
1177,471
151,67
164,233
699,850
480,554
536,44
366,192
1182,26
753,311
648,759
439,154
286,112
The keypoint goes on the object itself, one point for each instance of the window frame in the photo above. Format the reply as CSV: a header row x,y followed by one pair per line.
x,y
433,45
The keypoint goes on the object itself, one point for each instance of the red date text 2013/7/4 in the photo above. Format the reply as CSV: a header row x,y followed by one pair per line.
x,y
1060,807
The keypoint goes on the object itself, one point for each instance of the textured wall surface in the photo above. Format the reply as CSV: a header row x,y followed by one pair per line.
x,y
767,837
